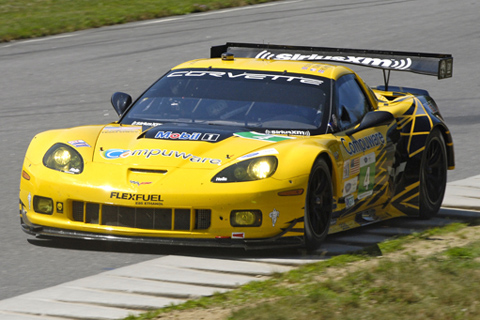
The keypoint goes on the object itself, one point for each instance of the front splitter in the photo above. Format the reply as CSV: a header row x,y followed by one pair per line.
x,y
248,244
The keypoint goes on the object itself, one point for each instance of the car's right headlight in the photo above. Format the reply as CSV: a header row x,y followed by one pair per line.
x,y
63,158
248,170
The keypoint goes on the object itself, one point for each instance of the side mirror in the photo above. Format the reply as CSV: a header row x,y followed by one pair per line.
x,y
373,119
120,102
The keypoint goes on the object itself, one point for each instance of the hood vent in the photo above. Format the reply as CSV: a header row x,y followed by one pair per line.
x,y
136,170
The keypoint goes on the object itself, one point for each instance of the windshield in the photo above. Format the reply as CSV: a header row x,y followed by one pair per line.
x,y
249,99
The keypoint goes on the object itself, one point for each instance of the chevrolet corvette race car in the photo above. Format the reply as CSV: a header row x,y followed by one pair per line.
x,y
257,146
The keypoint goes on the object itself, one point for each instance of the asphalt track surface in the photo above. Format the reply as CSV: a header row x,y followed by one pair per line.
x,y
67,80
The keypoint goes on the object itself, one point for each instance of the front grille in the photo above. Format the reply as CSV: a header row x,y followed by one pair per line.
x,y
202,219
141,218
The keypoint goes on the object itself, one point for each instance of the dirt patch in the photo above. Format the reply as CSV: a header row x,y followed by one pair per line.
x,y
197,314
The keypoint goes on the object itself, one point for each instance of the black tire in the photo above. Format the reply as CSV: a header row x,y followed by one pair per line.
x,y
433,175
318,205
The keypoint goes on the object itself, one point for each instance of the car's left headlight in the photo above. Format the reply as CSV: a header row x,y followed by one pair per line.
x,y
63,158
248,170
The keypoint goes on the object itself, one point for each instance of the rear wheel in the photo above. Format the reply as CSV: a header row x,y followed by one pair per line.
x,y
319,204
433,175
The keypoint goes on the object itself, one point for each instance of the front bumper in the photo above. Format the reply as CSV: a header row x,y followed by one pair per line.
x,y
196,213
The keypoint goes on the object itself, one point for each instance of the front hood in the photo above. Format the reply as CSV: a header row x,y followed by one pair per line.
x,y
179,145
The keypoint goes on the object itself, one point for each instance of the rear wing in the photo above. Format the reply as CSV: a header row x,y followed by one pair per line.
x,y
433,64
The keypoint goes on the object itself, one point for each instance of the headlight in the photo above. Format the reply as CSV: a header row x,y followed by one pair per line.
x,y
63,158
248,170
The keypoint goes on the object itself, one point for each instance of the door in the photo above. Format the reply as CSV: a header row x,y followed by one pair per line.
x,y
366,157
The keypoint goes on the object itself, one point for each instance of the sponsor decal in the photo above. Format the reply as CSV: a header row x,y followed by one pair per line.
x,y
350,186
399,64
169,135
344,226
238,235
79,143
246,75
346,169
314,67
138,183
112,154
145,123
305,67
363,144
351,167
354,166
259,153
121,129
367,175
336,155
212,137
334,149
274,216
349,201
369,215
173,132
135,196
139,199
289,132
261,136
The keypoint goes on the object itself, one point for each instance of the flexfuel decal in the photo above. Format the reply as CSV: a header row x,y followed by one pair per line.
x,y
139,199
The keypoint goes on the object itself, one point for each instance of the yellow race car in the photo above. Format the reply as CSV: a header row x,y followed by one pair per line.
x,y
258,146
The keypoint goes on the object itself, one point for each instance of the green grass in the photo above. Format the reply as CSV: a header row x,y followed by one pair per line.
x,y
441,286
22,19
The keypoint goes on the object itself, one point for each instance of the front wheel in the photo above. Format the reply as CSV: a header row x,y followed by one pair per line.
x,y
433,175
318,206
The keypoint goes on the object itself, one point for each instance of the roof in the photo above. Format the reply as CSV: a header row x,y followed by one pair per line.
x,y
318,69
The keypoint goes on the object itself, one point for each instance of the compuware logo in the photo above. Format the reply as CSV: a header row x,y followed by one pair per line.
x,y
112,154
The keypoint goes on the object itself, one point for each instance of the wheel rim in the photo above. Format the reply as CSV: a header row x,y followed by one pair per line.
x,y
320,201
434,172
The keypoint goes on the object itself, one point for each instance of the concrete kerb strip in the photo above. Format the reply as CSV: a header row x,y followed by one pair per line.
x,y
463,194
